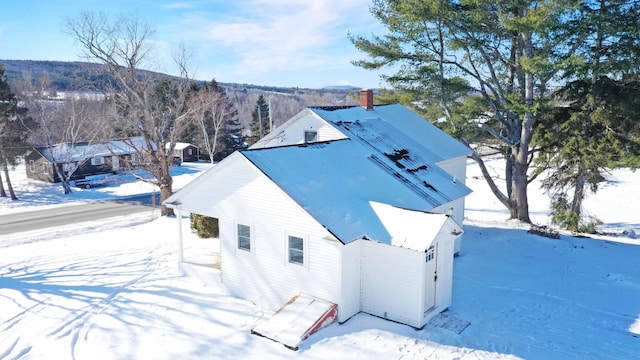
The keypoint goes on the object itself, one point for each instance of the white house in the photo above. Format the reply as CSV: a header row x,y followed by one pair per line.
x,y
359,221
318,124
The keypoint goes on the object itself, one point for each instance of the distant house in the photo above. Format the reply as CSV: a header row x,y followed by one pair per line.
x,y
341,204
185,152
90,159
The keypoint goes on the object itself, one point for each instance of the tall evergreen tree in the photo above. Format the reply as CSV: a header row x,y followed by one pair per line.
x,y
13,132
582,139
507,52
596,127
260,121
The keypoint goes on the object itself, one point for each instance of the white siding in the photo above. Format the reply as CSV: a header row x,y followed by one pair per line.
x,y
444,284
350,272
457,167
391,282
292,132
242,194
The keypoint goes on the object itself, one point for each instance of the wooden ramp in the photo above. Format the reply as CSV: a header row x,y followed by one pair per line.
x,y
296,320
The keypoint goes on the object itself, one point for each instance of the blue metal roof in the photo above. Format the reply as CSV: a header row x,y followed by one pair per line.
x,y
337,181
403,120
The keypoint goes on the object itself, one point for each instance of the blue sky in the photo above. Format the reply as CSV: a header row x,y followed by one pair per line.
x,y
297,43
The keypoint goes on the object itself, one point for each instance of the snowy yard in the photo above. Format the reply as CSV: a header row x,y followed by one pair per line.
x,y
112,290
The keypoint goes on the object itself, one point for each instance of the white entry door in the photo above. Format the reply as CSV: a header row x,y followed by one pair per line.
x,y
431,277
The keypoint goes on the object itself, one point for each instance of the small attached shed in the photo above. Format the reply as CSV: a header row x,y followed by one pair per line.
x,y
335,220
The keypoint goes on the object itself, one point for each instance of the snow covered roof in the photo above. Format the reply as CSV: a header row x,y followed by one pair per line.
x,y
62,153
442,145
413,229
336,182
180,145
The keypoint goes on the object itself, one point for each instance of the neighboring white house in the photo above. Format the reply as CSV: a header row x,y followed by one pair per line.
x,y
318,124
359,221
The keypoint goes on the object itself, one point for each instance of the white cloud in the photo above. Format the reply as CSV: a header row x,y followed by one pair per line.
x,y
269,35
181,5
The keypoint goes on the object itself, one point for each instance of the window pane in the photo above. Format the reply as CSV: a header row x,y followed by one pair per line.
x,y
97,161
296,250
244,237
431,253
310,136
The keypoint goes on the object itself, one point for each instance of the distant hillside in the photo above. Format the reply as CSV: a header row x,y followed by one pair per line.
x,y
77,76
83,76
342,87
64,76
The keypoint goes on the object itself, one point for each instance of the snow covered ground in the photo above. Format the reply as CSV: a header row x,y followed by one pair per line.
x,y
112,289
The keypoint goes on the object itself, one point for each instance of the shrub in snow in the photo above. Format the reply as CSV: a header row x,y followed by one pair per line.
x,y
204,226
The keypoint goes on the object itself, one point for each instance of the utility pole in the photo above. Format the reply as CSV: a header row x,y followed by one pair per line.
x,y
260,120
270,118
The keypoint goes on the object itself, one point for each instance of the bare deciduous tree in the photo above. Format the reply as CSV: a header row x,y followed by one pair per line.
x,y
155,111
67,126
213,113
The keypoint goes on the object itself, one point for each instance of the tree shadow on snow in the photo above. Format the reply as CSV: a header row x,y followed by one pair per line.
x,y
118,297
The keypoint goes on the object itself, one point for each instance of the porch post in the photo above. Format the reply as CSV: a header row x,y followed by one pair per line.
x,y
180,241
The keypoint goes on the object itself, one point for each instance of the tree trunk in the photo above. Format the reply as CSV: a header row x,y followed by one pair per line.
x,y
166,185
578,193
63,180
508,175
492,185
9,186
518,200
2,192
5,165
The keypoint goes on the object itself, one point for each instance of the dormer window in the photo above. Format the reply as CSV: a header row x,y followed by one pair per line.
x,y
310,136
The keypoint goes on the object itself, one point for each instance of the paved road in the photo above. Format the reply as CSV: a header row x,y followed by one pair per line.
x,y
40,219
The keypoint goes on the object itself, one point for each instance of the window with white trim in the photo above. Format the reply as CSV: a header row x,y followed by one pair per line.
x,y
244,237
32,166
431,253
45,168
296,250
310,136
97,161
190,151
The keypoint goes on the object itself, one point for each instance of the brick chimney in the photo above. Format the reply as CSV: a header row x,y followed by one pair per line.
x,y
366,99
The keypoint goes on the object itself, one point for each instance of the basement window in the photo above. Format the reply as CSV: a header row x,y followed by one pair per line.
x,y
244,237
296,250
